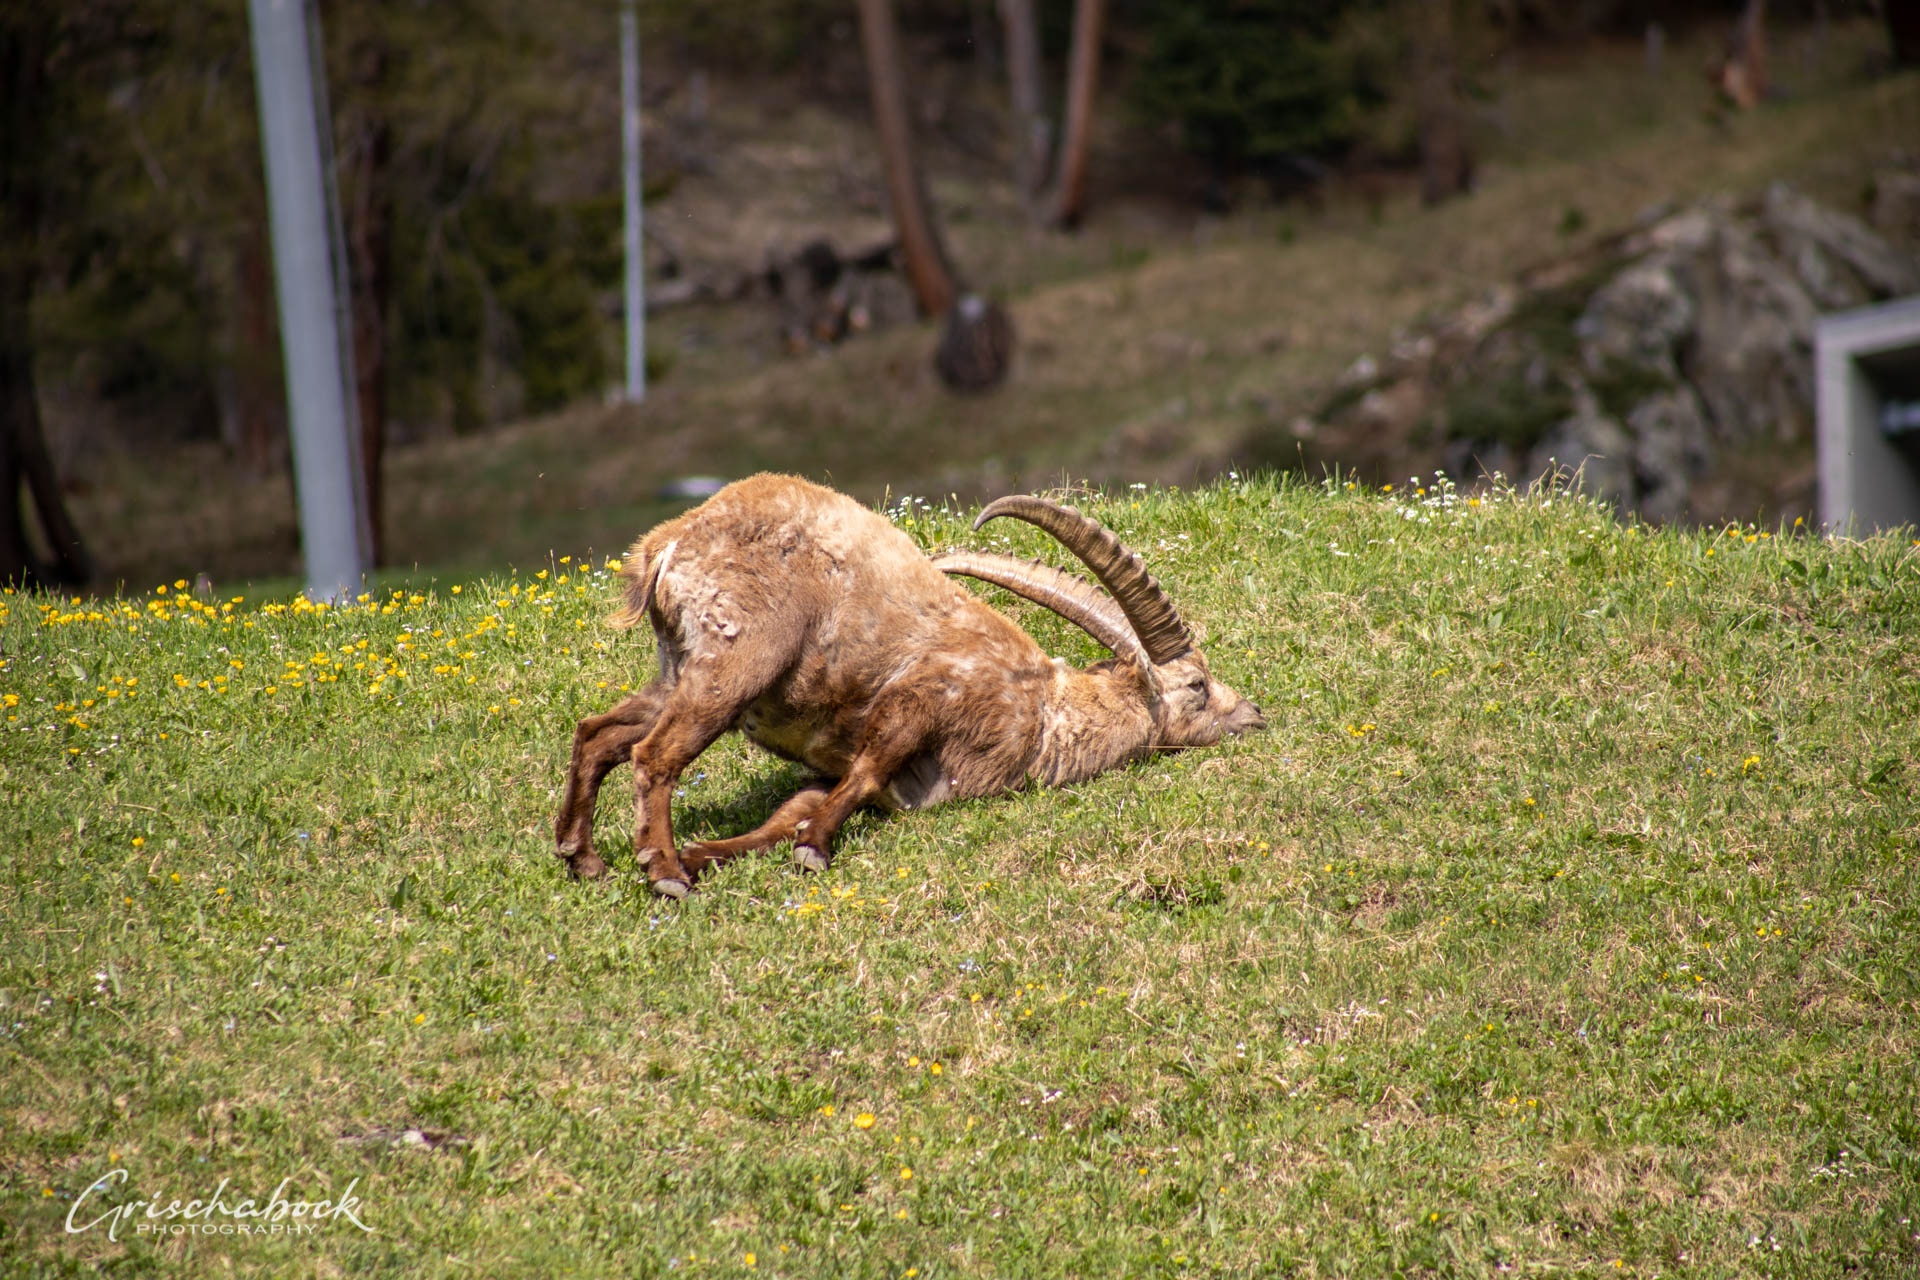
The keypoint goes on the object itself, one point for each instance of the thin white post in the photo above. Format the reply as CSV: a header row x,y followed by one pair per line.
x,y
326,475
630,165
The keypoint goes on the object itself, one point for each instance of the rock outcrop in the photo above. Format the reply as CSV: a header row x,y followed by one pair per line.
x,y
1672,365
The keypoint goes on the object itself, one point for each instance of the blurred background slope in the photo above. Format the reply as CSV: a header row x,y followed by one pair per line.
x,y
1300,222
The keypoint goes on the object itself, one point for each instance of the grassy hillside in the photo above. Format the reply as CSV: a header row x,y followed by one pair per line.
x,y
1565,918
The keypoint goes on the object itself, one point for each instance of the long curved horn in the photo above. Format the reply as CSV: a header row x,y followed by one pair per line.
x,y
1075,599
1154,619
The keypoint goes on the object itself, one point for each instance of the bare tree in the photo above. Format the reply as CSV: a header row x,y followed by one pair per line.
x,y
28,484
1743,76
1083,80
247,381
367,153
1903,25
924,255
1446,163
1032,129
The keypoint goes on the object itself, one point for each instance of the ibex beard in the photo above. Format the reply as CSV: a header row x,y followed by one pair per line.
x,y
818,629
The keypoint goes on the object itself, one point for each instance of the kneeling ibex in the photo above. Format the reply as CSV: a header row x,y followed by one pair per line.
x,y
818,629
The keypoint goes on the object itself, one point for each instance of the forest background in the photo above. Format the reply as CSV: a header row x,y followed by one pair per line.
x,y
1258,194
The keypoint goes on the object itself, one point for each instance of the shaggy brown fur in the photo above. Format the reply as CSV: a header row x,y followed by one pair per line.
x,y
818,629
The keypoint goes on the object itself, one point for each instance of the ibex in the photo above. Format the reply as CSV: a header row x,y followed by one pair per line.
x,y
818,629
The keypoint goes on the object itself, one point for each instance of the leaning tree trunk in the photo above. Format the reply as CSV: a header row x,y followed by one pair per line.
x,y
925,257
1032,130
1743,76
27,479
1083,82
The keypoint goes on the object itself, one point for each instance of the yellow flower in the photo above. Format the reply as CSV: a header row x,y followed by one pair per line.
x,y
139,841
749,1260
864,1120
905,1173
827,1111
913,1062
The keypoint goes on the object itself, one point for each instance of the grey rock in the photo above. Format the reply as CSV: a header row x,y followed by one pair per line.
x,y
1798,221
1671,452
1640,316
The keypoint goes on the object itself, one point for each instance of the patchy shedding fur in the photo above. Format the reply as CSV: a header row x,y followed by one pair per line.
x,y
818,629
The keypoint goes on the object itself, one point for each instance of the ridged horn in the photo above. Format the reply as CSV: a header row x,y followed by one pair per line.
x,y
1163,636
1075,599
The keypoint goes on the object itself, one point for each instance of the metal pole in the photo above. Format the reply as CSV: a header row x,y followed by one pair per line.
x,y
327,481
630,165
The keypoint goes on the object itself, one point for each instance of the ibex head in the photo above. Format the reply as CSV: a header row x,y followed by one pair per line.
x,y
1133,617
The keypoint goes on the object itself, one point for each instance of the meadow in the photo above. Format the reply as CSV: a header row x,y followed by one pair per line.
x,y
1565,919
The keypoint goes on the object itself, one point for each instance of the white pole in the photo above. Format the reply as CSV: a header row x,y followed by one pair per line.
x,y
327,481
630,165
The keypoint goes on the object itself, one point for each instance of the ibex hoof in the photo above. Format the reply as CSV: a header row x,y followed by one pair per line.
x,y
808,858
670,887
586,865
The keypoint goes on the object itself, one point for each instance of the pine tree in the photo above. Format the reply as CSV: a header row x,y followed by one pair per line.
x,y
1247,80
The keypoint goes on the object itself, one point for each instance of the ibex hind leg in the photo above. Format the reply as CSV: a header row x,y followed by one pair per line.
x,y
704,703
599,743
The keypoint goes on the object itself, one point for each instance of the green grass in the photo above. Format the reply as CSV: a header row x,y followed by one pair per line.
x,y
1566,918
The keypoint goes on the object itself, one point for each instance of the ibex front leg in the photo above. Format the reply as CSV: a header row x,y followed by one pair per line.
x,y
896,733
785,822
599,743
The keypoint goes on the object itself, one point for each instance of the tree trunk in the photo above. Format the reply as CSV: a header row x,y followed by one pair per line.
x,y
925,257
258,381
1743,76
1903,25
369,235
27,479
1032,130
1446,164
1083,81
